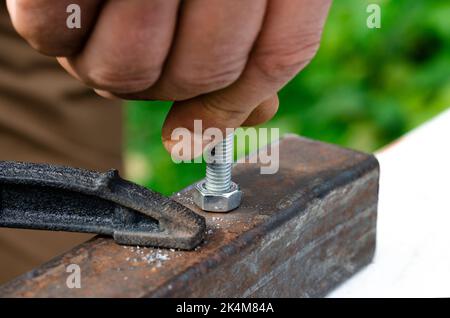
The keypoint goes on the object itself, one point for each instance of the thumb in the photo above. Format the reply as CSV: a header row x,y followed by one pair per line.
x,y
184,114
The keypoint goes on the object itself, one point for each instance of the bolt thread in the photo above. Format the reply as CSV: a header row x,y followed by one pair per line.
x,y
218,170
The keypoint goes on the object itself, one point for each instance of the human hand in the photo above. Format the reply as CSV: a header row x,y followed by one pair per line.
x,y
221,61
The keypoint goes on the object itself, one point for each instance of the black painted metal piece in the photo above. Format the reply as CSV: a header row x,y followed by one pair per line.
x,y
48,197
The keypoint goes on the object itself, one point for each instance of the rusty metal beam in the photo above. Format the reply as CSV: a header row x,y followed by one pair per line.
x,y
299,232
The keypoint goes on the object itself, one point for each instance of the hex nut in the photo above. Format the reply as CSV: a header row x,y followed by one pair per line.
x,y
217,202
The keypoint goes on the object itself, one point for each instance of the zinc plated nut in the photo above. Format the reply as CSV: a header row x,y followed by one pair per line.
x,y
217,193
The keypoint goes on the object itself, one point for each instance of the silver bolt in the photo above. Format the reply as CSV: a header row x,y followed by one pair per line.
x,y
217,193
218,172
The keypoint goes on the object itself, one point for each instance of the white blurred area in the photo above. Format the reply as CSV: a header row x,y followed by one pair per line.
x,y
413,235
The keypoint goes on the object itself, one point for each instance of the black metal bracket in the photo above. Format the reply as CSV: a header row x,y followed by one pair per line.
x,y
57,198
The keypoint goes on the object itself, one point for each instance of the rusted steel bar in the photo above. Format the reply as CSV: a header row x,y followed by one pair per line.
x,y
299,232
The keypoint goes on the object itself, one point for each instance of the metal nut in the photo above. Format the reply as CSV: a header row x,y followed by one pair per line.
x,y
217,202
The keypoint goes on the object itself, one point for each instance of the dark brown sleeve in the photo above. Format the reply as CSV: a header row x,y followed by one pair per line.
x,y
47,116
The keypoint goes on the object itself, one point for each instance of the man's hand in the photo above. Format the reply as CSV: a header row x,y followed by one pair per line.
x,y
222,61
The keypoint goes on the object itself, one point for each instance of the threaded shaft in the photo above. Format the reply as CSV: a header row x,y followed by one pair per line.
x,y
218,172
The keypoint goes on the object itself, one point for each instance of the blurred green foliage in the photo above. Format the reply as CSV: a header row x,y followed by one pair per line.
x,y
365,88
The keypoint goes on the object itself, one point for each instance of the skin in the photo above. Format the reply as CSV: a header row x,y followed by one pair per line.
x,y
222,61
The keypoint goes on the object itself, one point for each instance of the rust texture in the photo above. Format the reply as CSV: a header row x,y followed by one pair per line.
x,y
297,233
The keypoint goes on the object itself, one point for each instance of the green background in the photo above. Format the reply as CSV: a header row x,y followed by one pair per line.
x,y
365,88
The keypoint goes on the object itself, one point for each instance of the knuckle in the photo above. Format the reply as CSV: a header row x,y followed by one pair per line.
x,y
34,36
205,80
44,47
283,60
121,81
40,33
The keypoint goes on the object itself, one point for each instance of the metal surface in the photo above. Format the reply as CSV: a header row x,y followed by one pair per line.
x,y
217,193
40,196
299,232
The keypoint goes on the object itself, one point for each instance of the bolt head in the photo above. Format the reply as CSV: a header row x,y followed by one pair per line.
x,y
217,202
